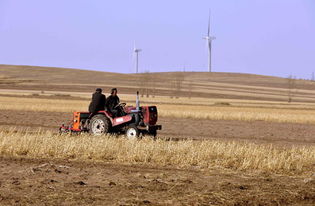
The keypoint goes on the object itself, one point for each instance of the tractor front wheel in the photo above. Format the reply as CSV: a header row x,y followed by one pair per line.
x,y
99,125
132,132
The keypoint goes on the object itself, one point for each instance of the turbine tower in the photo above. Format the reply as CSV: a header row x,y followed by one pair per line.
x,y
136,51
209,40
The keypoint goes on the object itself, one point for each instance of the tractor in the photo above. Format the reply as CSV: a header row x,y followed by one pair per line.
x,y
134,122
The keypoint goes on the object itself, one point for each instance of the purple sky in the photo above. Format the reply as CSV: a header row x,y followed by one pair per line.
x,y
271,37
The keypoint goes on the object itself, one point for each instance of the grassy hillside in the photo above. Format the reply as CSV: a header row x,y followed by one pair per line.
x,y
181,84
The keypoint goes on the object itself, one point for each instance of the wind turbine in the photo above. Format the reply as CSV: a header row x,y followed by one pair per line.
x,y
136,51
209,40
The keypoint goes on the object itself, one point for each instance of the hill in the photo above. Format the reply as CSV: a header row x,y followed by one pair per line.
x,y
181,84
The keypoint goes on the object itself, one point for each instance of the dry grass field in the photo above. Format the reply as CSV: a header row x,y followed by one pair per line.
x,y
185,153
227,139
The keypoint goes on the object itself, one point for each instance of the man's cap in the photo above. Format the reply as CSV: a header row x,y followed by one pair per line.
x,y
113,89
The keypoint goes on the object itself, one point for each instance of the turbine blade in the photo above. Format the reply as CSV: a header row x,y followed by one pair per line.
x,y
209,23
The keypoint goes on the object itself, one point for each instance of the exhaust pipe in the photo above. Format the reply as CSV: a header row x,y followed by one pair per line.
x,y
136,115
138,102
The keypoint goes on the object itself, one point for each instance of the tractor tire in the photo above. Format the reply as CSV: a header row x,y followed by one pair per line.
x,y
132,132
99,125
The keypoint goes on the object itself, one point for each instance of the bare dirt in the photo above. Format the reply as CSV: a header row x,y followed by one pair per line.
x,y
61,182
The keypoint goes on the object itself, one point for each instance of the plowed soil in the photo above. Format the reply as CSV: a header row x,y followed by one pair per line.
x,y
44,182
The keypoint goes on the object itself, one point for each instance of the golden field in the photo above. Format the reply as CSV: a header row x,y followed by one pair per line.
x,y
187,153
242,111
214,96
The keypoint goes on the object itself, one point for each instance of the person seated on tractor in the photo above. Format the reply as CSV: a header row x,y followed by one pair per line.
x,y
98,102
112,104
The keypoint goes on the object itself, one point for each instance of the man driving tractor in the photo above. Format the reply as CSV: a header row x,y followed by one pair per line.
x,y
112,104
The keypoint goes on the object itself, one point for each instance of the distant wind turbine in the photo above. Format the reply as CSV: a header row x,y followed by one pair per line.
x,y
209,40
136,51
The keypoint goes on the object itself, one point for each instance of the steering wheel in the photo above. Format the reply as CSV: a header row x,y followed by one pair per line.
x,y
120,105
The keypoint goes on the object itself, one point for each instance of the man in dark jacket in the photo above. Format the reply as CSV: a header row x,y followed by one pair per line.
x,y
97,103
112,103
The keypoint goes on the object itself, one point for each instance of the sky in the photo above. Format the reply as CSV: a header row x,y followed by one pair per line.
x,y
269,37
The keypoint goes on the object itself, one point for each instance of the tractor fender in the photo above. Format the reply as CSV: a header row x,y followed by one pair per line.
x,y
121,120
108,115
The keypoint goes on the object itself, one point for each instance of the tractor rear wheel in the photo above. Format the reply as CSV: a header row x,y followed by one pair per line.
x,y
132,132
99,125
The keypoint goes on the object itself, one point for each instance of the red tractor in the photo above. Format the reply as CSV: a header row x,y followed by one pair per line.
x,y
133,121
